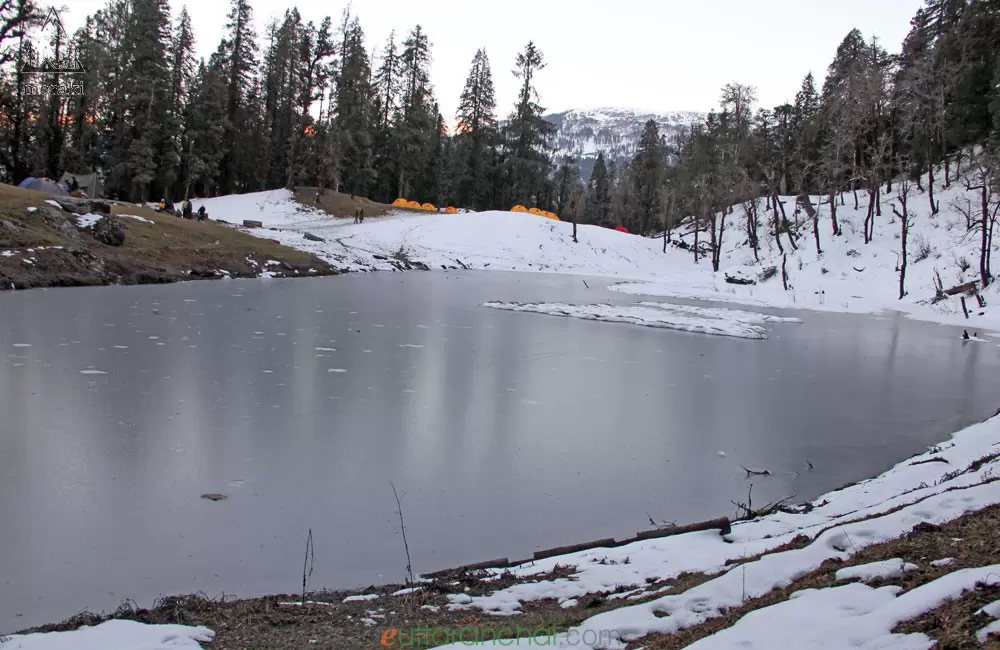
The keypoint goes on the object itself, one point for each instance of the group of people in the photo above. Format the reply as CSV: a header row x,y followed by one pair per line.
x,y
187,210
359,215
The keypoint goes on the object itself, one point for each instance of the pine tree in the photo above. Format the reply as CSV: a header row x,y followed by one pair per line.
x,y
354,113
599,194
416,121
567,185
476,132
139,149
238,55
528,135
387,84
647,176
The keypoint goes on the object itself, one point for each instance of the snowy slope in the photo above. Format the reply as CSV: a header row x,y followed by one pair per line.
x,y
272,208
503,241
851,276
848,276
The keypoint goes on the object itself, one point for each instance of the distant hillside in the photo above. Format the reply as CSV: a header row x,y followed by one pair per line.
x,y
613,131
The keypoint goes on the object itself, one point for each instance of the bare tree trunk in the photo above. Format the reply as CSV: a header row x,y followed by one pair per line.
x,y
664,237
785,224
777,231
930,188
574,231
833,214
696,231
750,210
869,217
878,204
904,218
784,271
984,271
855,188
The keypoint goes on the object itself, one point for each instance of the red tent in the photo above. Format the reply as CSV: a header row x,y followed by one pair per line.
x,y
623,229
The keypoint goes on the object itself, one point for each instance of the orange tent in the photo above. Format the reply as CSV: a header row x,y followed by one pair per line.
x,y
519,208
450,210
413,205
535,211
428,206
399,203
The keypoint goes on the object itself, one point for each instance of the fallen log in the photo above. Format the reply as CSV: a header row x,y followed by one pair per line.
x,y
563,550
250,223
499,562
969,288
722,523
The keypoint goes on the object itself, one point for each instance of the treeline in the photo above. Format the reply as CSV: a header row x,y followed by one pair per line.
x,y
875,117
297,104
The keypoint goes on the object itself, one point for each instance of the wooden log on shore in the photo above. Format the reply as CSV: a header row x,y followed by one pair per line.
x,y
250,223
489,564
721,523
563,550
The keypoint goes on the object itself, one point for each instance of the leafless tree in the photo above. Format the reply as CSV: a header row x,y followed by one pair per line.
x,y
902,212
978,176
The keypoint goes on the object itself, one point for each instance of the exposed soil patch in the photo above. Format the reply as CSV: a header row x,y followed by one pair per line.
x,y
42,245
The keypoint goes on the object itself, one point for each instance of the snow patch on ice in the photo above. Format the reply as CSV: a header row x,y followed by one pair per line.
x,y
702,320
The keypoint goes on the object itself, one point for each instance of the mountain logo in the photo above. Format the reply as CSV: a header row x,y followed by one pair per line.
x,y
34,62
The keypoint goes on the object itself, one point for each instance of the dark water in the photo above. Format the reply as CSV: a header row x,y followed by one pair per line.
x,y
505,432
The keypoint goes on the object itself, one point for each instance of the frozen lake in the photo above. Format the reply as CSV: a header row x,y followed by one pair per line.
x,y
301,400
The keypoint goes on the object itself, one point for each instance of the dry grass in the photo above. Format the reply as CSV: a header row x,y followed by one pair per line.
x,y
975,546
169,250
341,205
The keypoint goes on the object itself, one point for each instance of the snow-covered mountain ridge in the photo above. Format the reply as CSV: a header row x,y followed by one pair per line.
x,y
582,134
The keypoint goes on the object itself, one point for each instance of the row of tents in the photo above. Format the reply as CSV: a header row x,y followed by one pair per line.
x,y
429,207
416,205
536,211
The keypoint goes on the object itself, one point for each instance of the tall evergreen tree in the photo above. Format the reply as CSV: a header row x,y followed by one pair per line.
x,y
647,176
528,134
599,194
476,133
354,113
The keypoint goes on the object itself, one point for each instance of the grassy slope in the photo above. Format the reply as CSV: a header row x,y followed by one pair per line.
x,y
170,250
340,205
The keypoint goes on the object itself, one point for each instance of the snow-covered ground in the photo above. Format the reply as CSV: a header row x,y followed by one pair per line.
x,y
113,635
848,276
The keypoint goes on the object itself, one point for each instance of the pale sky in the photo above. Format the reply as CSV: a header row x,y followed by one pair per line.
x,y
659,55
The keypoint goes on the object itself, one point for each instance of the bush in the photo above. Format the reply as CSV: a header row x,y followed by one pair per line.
x,y
110,231
923,249
963,263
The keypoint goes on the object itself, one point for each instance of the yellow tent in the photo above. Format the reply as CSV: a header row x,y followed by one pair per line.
x,y
519,208
535,211
399,203
413,205
450,210
429,206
